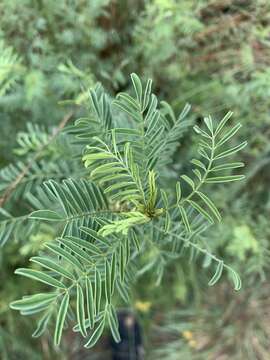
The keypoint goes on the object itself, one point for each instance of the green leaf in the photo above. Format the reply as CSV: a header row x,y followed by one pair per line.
x,y
128,109
198,163
207,260
201,132
123,292
40,276
228,166
65,255
137,86
231,151
223,122
60,320
152,118
80,311
119,186
197,173
113,272
223,179
152,196
90,158
37,309
113,139
129,195
235,278
107,168
77,250
90,302
107,281
204,144
135,239
128,99
33,301
113,323
42,325
168,110
209,123
151,109
229,135
147,94
113,177
210,205
217,274
95,235
127,131
201,210
52,265
122,262
128,153
58,193
47,215
203,153
164,198
189,181
94,101
98,291
93,249
178,192
184,112
184,218
127,250
96,335
168,222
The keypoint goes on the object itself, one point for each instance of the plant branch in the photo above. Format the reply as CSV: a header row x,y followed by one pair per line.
x,y
10,189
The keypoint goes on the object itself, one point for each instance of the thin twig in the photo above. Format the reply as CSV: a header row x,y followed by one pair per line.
x,y
10,189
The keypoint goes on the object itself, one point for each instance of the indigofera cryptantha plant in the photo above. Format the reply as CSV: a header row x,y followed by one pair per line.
x,y
108,217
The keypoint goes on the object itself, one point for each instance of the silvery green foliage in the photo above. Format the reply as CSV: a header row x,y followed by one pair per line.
x,y
106,219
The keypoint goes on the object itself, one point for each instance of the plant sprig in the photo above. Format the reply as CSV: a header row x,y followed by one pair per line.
x,y
105,221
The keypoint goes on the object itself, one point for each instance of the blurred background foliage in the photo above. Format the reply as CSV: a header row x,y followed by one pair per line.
x,y
213,54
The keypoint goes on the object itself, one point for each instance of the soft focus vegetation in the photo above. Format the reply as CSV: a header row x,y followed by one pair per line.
x,y
213,55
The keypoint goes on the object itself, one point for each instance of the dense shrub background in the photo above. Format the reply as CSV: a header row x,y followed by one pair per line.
x,y
212,54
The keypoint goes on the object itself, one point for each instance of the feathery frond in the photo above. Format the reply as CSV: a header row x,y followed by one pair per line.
x,y
103,224
10,68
